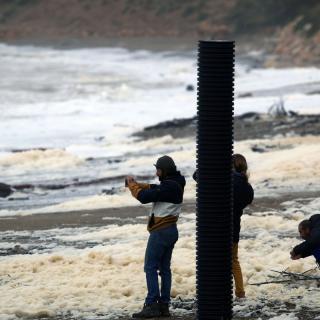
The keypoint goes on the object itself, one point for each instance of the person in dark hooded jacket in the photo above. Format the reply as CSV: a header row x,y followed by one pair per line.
x,y
242,196
310,232
167,200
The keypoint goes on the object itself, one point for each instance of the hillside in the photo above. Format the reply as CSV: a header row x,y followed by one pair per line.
x,y
292,25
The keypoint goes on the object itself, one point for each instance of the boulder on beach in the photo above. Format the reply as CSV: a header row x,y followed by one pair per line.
x,y
5,190
190,87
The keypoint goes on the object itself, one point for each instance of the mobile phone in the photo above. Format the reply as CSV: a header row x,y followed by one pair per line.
x,y
126,182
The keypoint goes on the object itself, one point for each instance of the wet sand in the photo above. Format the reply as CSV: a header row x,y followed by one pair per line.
x,y
77,218
97,217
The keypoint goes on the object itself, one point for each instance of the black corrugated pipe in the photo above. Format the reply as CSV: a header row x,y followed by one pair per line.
x,y
214,188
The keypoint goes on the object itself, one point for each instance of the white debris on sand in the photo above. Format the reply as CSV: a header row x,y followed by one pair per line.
x,y
289,316
109,278
83,203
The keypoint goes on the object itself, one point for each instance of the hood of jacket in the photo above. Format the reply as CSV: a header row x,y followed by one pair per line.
x,y
315,221
177,177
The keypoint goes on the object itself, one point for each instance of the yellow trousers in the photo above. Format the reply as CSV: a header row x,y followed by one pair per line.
x,y
237,273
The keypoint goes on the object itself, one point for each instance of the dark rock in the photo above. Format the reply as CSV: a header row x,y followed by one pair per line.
x,y
249,116
18,199
172,124
15,250
292,113
5,190
250,125
270,147
186,304
54,186
114,161
26,150
313,92
23,186
190,87
245,95
177,128
256,148
109,191
19,250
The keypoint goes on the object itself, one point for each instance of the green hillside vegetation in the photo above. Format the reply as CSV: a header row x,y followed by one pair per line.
x,y
248,15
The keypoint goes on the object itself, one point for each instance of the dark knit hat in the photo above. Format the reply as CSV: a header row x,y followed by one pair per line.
x,y
167,164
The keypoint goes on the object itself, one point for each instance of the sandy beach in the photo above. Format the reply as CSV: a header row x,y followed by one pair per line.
x,y
125,215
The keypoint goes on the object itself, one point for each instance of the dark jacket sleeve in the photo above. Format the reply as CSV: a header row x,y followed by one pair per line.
x,y
167,191
242,196
195,175
150,195
242,193
250,193
306,248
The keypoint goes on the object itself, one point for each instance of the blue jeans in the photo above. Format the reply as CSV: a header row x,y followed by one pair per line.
x,y
158,258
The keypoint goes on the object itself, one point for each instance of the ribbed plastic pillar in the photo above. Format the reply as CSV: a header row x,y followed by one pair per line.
x,y
214,188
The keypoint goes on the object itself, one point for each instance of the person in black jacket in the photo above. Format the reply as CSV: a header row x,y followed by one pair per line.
x,y
310,232
167,200
242,196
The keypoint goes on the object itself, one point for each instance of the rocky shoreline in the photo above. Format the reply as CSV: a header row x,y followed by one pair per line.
x,y
247,126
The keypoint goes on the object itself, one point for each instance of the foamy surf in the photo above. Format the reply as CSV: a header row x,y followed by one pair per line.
x,y
290,164
98,281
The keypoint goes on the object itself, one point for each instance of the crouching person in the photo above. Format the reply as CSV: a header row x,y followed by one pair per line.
x,y
310,232
167,200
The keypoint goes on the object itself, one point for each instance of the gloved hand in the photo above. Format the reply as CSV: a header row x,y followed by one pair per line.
x,y
128,180
295,256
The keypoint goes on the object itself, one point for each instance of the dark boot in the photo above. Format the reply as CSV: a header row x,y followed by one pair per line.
x,y
148,311
164,309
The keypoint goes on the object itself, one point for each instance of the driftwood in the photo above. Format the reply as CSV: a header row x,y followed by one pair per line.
x,y
288,277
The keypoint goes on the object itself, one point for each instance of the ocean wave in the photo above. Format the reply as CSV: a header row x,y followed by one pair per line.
x,y
40,159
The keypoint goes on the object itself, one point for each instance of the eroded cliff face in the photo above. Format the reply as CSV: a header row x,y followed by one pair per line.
x,y
292,25
296,46
112,18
